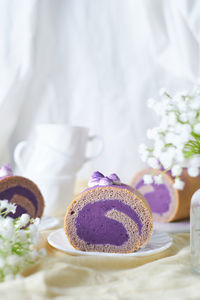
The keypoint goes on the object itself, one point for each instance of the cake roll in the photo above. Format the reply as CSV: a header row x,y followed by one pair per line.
x,y
109,216
167,203
21,191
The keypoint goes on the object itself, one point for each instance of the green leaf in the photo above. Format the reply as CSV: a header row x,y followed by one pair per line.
x,y
18,249
193,146
195,135
168,145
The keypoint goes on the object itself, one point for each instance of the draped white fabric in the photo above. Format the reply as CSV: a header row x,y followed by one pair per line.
x,y
93,63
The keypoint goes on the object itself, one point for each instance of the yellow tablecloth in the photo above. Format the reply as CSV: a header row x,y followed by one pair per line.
x,y
165,275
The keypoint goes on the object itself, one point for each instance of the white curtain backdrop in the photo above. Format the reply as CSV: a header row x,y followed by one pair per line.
x,y
93,63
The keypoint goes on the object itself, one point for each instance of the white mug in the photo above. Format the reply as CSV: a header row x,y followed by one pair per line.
x,y
41,160
71,140
55,148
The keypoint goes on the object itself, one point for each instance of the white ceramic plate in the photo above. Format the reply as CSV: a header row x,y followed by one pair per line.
x,y
48,222
174,227
158,242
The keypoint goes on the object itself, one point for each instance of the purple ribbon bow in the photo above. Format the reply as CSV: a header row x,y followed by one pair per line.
x,y
98,178
5,171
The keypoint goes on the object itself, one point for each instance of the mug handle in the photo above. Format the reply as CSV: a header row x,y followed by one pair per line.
x,y
91,139
18,153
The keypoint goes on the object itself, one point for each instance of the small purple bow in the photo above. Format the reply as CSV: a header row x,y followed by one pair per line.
x,y
98,178
5,171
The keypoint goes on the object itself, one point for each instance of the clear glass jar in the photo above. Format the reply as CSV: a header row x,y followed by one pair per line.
x,y
195,232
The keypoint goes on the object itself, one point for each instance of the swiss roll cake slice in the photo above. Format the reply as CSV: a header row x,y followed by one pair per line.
x,y
21,191
108,217
167,203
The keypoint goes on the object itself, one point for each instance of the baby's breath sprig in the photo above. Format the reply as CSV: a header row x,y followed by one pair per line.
x,y
176,141
18,238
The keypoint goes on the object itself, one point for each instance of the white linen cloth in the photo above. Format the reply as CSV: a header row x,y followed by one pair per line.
x,y
94,64
165,275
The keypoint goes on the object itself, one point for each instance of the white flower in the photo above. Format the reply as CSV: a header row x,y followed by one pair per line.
x,y
183,128
187,128
17,245
7,228
36,221
179,145
158,179
191,116
184,137
183,133
23,220
188,116
170,138
166,159
195,104
164,124
172,119
153,133
147,179
197,128
182,106
23,235
158,108
153,162
179,156
180,117
158,147
157,152
193,171
13,259
7,222
194,161
171,151
11,207
178,98
33,229
144,153
34,234
176,170
184,117
178,184
3,204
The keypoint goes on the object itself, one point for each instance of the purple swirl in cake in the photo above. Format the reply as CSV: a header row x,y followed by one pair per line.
x,y
21,191
108,216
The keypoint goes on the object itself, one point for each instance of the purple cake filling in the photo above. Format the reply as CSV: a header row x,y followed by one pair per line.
x,y
22,191
159,200
95,228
